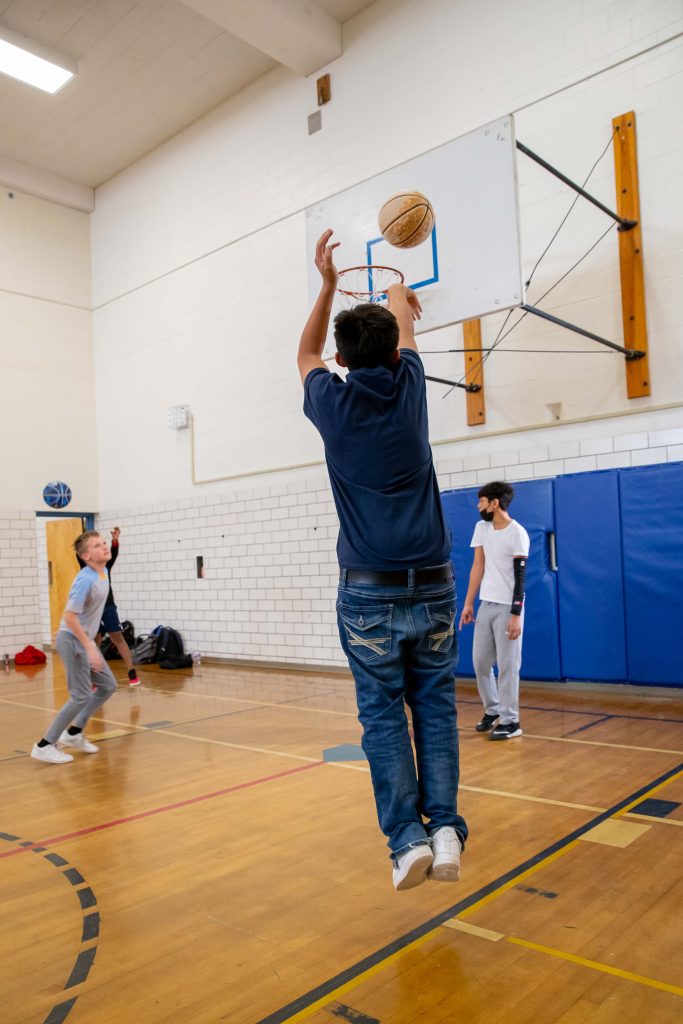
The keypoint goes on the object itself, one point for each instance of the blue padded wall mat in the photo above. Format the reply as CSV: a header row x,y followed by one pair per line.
x,y
652,540
533,507
591,585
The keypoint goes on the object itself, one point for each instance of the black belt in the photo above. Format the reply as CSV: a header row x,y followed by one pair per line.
x,y
399,577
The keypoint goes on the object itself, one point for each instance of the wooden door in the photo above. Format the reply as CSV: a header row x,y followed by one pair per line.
x,y
61,564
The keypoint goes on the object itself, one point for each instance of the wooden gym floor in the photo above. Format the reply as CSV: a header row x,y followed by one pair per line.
x,y
219,860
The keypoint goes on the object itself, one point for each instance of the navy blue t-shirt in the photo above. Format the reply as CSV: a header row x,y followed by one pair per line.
x,y
374,426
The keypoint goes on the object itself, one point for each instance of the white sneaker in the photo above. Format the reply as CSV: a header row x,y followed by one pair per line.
x,y
446,849
50,753
411,867
78,741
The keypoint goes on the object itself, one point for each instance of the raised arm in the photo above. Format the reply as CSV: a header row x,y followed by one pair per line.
x,y
405,305
315,332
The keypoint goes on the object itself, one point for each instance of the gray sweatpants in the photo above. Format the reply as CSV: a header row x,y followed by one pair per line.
x,y
492,646
83,702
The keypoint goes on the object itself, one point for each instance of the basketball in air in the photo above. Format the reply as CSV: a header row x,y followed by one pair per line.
x,y
406,219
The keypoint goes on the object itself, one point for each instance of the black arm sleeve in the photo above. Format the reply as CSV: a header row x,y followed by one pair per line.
x,y
114,556
519,568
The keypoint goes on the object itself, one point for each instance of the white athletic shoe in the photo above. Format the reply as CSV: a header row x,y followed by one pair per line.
x,y
411,867
78,741
446,849
50,753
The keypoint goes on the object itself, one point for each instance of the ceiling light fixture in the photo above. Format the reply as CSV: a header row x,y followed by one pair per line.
x,y
20,63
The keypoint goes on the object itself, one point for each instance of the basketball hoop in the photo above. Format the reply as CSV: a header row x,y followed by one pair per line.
x,y
367,283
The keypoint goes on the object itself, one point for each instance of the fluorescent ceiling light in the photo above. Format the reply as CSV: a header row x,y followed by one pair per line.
x,y
27,67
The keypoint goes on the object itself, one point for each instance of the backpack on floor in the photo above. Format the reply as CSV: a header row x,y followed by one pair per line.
x,y
170,644
176,661
145,650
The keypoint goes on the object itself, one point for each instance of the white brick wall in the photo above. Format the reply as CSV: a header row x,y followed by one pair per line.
x,y
269,551
19,590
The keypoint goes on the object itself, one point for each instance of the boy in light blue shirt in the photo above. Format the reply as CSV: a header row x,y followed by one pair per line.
x,y
89,679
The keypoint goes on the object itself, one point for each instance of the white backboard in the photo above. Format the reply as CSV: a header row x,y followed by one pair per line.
x,y
471,263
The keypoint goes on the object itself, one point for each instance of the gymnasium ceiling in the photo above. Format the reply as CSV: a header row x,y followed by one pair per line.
x,y
146,70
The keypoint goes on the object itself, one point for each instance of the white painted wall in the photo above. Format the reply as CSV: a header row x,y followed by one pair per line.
x,y
198,273
47,409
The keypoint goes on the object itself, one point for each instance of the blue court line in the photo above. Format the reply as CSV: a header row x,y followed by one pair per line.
x,y
582,728
282,1015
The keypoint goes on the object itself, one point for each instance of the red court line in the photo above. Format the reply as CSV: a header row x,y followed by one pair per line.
x,y
162,810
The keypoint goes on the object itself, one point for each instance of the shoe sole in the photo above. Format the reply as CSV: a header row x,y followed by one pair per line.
x,y
417,873
447,872
43,760
506,736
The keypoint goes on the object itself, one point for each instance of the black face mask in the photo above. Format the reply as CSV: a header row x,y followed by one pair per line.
x,y
487,516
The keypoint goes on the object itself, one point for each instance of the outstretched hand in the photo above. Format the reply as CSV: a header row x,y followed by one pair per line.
x,y
414,303
324,258
402,293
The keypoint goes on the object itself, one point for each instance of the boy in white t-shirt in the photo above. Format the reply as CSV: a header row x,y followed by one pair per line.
x,y
501,547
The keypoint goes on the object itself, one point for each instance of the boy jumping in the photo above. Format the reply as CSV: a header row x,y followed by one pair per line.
x,y
85,666
396,598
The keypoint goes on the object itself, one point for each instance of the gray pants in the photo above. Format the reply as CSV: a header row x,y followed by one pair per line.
x,y
492,646
83,701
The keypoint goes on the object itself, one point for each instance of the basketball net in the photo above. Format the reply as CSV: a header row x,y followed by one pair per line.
x,y
366,284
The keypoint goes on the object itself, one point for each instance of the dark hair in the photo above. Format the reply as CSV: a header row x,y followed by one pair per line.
x,y
81,542
497,489
366,335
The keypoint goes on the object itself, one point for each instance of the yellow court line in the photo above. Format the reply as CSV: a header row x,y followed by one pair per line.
x,y
186,736
595,965
655,789
256,703
333,764
349,714
531,799
30,693
652,818
596,743
347,986
473,929
485,900
364,975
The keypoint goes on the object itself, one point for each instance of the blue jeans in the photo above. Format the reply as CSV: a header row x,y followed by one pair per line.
x,y
402,649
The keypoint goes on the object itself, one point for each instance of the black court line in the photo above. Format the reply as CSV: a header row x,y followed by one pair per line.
x,y
351,973
59,1013
568,711
590,725
81,969
91,928
86,898
347,1013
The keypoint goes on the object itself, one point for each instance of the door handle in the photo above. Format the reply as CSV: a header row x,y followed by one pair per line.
x,y
552,550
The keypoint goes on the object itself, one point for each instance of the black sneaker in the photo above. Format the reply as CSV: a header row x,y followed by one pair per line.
x,y
506,732
486,723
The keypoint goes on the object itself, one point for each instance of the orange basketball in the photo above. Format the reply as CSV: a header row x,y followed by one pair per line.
x,y
406,219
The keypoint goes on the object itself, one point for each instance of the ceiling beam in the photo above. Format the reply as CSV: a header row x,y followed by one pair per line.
x,y
33,181
296,33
